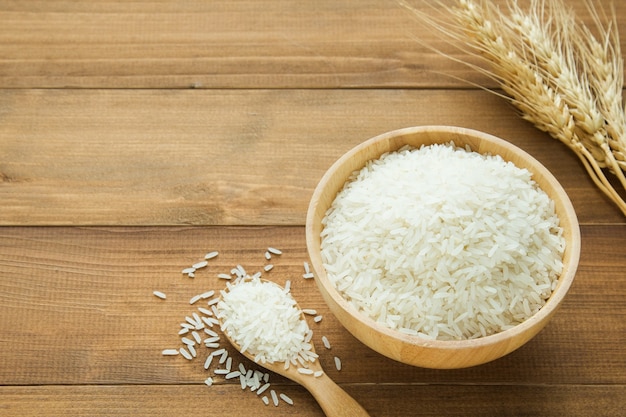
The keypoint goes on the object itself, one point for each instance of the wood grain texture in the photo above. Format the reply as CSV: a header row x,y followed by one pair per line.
x,y
78,309
137,136
225,44
223,157
230,401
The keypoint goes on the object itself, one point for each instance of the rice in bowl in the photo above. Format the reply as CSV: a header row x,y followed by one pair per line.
x,y
443,243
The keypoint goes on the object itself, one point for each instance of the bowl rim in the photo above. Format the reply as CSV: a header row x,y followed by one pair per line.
x,y
570,260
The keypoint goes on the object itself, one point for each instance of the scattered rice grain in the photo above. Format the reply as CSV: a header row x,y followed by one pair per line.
x,y
274,251
274,397
211,333
207,362
185,354
211,255
159,294
233,374
219,352
286,399
325,342
199,265
338,363
263,388
205,311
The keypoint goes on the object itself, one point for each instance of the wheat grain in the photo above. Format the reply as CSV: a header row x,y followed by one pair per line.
x,y
561,78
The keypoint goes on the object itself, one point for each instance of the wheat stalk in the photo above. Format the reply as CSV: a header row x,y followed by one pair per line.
x,y
561,77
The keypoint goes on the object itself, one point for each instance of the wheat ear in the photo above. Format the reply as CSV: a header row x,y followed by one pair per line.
x,y
535,57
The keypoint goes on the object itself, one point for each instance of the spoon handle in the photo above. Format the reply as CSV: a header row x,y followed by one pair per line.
x,y
335,402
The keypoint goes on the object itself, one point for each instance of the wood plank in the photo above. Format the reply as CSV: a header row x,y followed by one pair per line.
x,y
224,44
77,308
223,157
423,400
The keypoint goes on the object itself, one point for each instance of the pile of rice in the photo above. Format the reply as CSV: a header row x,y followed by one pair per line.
x,y
264,320
443,243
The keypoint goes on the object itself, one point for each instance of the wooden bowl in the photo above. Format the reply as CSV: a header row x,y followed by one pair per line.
x,y
414,350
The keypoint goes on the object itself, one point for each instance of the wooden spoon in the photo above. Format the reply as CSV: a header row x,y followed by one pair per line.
x,y
333,400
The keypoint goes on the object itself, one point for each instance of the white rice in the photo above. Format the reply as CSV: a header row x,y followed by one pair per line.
x,y
205,311
159,294
264,320
274,397
286,399
263,388
274,251
200,264
207,294
443,242
233,374
337,363
325,342
211,255
207,362
211,333
185,354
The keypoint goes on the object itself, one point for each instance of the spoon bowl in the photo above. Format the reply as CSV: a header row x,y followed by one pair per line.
x,y
333,400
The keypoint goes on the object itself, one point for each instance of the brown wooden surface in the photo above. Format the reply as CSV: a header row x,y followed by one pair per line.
x,y
137,136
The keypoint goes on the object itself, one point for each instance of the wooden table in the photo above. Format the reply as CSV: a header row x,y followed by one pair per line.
x,y
135,137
